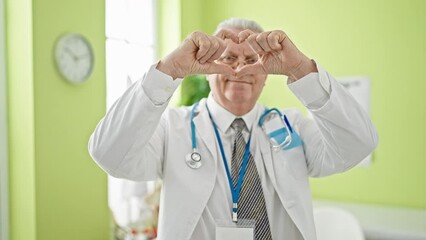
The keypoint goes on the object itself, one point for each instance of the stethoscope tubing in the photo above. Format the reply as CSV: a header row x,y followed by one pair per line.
x,y
287,123
195,163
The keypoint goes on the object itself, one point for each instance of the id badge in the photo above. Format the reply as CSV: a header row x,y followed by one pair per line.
x,y
241,230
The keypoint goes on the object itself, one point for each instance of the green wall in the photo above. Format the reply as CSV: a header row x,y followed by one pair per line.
x,y
56,190
21,119
384,40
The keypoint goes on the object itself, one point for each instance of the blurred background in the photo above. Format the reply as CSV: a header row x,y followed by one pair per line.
x,y
51,189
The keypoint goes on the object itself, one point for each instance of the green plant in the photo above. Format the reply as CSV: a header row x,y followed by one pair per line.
x,y
193,89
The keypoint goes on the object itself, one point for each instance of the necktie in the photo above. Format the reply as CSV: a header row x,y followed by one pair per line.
x,y
251,204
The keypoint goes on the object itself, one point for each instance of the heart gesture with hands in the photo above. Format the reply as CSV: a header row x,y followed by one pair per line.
x,y
277,55
198,52
197,55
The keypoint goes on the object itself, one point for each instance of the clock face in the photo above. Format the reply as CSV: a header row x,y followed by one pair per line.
x,y
74,58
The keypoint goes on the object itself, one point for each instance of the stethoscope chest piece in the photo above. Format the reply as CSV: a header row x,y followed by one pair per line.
x,y
193,160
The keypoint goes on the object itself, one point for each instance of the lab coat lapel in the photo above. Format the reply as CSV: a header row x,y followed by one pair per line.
x,y
284,192
205,176
265,152
204,129
269,156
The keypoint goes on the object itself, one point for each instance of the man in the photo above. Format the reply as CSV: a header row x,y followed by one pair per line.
x,y
141,139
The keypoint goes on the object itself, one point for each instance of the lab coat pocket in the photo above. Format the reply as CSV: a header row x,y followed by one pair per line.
x,y
294,160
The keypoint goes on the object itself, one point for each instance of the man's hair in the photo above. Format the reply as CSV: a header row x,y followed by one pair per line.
x,y
239,23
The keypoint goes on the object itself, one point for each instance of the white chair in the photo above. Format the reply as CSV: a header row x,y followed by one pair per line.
x,y
336,224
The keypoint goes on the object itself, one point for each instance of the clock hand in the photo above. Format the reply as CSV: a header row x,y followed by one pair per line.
x,y
82,56
74,57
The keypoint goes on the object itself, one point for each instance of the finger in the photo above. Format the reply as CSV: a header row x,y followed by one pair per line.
x,y
212,50
217,68
203,44
218,53
227,34
261,39
274,40
243,35
254,44
253,69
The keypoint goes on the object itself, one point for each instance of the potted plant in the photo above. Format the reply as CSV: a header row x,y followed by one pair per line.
x,y
193,89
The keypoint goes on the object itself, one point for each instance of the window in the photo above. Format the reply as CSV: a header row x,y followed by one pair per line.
x,y
130,45
130,50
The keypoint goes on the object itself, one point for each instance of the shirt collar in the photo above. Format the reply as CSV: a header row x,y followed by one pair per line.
x,y
223,118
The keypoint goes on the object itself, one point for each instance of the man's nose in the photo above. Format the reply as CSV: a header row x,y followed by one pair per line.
x,y
238,64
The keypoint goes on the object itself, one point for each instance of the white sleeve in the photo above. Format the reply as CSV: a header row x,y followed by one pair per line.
x,y
129,141
341,133
310,91
159,86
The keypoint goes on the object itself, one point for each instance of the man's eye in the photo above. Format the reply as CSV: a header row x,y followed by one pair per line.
x,y
251,61
228,59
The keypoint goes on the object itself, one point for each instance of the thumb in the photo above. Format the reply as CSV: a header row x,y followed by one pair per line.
x,y
256,68
215,68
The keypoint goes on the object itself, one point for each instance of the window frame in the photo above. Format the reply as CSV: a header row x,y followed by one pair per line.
x,y
4,188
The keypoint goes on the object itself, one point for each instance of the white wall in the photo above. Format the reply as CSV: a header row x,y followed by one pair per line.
x,y
4,202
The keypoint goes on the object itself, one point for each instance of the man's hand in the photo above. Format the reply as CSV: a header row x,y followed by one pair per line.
x,y
277,55
196,55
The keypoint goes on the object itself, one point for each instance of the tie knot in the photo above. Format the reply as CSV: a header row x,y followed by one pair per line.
x,y
238,124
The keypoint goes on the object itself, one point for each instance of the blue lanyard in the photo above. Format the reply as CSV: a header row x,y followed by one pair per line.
x,y
234,191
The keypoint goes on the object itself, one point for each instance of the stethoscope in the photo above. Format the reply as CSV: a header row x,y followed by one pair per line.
x,y
193,159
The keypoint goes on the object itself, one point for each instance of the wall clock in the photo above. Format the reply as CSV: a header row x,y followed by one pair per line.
x,y
74,57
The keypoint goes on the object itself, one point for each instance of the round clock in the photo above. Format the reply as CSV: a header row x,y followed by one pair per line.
x,y
74,57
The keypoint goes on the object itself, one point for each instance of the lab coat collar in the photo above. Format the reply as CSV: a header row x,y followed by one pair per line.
x,y
223,118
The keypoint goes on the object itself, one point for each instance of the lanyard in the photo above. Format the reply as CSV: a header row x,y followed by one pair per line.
x,y
234,191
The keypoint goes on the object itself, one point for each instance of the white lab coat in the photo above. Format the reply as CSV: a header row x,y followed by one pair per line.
x,y
140,140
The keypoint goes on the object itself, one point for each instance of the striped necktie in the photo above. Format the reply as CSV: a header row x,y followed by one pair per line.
x,y
251,204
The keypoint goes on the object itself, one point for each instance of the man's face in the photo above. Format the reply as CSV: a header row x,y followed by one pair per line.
x,y
228,90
